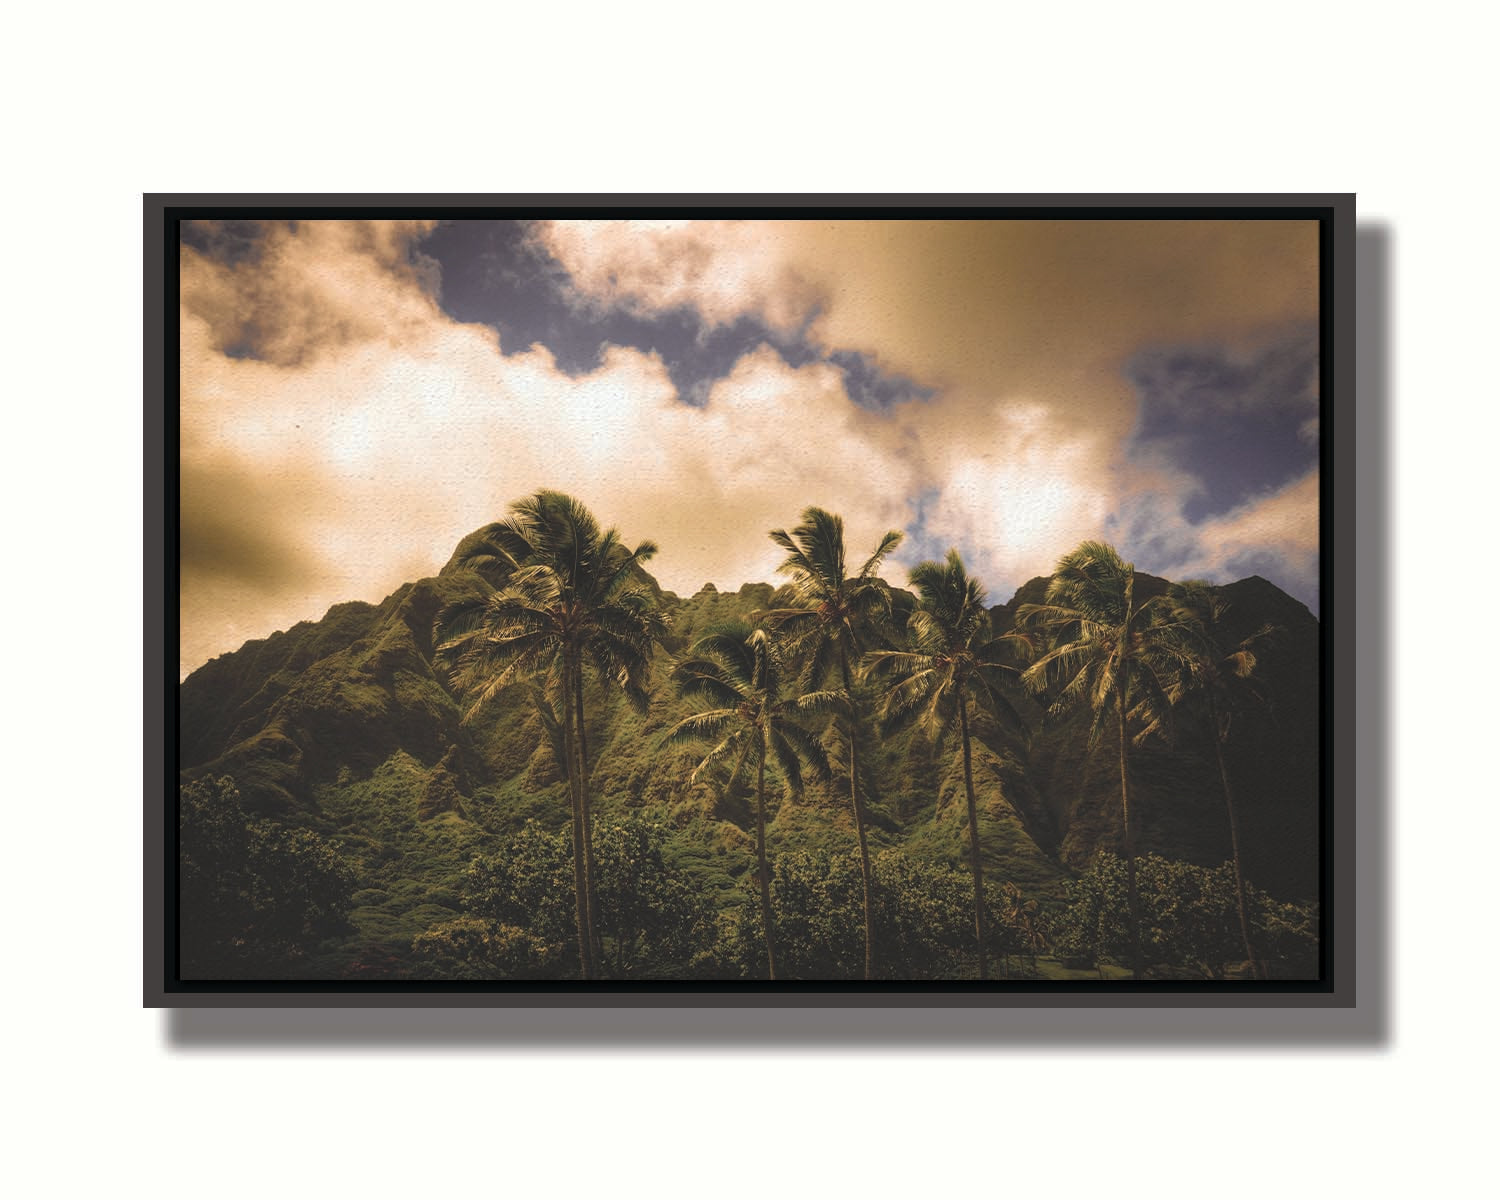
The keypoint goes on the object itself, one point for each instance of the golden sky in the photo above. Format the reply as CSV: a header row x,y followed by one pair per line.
x,y
351,406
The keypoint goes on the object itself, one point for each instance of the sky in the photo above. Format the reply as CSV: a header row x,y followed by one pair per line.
x,y
356,396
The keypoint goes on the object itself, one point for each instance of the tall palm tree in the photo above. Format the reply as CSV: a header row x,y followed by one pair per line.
x,y
1205,668
738,672
571,597
954,659
1102,652
836,620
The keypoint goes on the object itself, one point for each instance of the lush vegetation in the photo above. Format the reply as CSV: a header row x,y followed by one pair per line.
x,y
538,765
570,598
953,661
255,897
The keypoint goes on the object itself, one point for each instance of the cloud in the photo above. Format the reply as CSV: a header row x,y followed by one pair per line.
x,y
724,270
1213,381
357,463
984,306
1023,330
1275,535
1012,488
340,432
1233,420
311,287
1284,523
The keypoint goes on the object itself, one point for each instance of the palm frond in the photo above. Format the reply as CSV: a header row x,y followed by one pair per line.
x,y
728,647
1064,661
815,703
457,620
917,699
700,727
700,680
927,633
822,662
1078,685
802,743
888,542
750,742
785,758
893,664
1007,650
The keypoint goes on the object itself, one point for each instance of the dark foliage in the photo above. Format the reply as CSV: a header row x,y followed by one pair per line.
x,y
1189,921
254,896
518,906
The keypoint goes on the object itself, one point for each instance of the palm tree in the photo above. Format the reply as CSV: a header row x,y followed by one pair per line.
x,y
1205,668
571,597
1102,651
954,659
836,619
739,673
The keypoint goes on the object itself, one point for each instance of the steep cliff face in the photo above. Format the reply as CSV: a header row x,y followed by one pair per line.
x,y
1272,757
322,699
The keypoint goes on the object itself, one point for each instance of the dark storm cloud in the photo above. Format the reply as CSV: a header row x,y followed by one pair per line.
x,y
1239,423
872,388
498,273
228,242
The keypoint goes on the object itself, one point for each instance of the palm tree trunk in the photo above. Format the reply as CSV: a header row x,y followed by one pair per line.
x,y
590,875
580,877
859,820
1257,970
963,728
864,855
1137,959
765,871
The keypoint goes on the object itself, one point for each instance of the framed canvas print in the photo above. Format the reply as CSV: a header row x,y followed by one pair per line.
x,y
697,601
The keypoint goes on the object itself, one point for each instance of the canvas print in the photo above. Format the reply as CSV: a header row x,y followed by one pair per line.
x,y
791,598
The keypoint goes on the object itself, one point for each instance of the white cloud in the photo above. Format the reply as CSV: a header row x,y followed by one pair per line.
x,y
1276,533
1016,490
1023,329
321,285
724,270
1283,524
371,458
371,432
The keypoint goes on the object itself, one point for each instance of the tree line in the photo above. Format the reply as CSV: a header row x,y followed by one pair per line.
x,y
802,689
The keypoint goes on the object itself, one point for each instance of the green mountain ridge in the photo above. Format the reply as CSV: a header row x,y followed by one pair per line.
x,y
343,726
